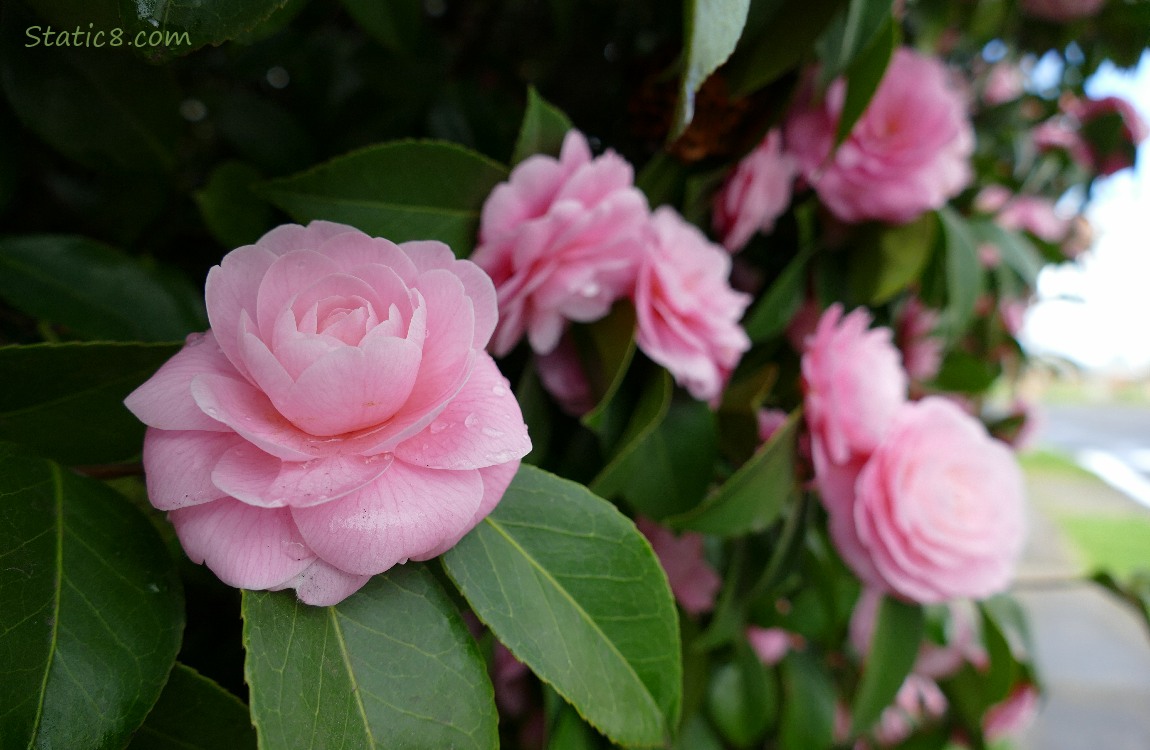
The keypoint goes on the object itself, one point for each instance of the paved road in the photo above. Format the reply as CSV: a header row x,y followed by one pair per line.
x,y
1111,440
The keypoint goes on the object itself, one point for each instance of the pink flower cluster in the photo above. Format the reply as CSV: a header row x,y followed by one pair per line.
x,y
341,416
1101,134
563,239
922,503
908,153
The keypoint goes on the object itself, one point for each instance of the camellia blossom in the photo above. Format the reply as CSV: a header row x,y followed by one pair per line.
x,y
921,349
341,416
562,239
938,510
755,194
687,314
693,581
1100,134
908,153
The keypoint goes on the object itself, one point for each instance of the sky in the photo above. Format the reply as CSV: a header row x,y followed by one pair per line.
x,y
1096,310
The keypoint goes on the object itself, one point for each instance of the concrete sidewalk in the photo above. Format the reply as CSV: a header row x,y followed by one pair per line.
x,y
1093,651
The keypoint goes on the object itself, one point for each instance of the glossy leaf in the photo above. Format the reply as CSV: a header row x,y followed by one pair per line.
x,y
607,348
755,495
963,270
648,413
666,469
742,697
864,76
392,666
808,714
888,661
573,589
1017,252
393,23
757,64
893,260
96,291
91,611
194,713
406,190
850,34
542,129
101,107
69,405
712,30
232,212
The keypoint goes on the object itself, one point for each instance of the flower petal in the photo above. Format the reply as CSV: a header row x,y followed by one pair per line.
x,y
231,288
324,585
495,482
285,278
429,255
165,399
481,426
249,412
258,478
246,547
406,513
180,465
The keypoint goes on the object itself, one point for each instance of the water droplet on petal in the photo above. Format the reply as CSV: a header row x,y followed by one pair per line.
x,y
491,432
194,339
471,422
438,427
499,390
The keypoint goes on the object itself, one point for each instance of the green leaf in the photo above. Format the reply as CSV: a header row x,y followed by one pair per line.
x,y
742,697
391,666
69,403
773,312
865,74
607,346
963,271
759,63
966,373
850,34
571,733
97,291
895,259
232,212
1000,677
91,611
103,108
808,712
646,416
572,588
712,30
194,713
405,190
667,468
755,495
543,129
893,648
1017,252
396,24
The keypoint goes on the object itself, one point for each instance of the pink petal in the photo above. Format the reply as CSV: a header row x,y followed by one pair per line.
x,y
481,426
352,388
165,399
251,548
406,513
495,482
351,252
477,285
180,465
257,478
324,585
450,329
283,280
249,412
231,288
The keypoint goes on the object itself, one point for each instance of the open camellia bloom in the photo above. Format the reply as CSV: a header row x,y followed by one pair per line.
x,y
341,416
686,312
562,240
938,511
908,153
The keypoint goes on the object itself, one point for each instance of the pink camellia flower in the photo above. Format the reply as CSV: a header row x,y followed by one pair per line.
x,y
1015,713
1100,134
938,509
921,349
562,375
340,417
770,644
686,312
909,152
918,700
755,194
693,581
562,240
854,383
1061,11
1005,82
